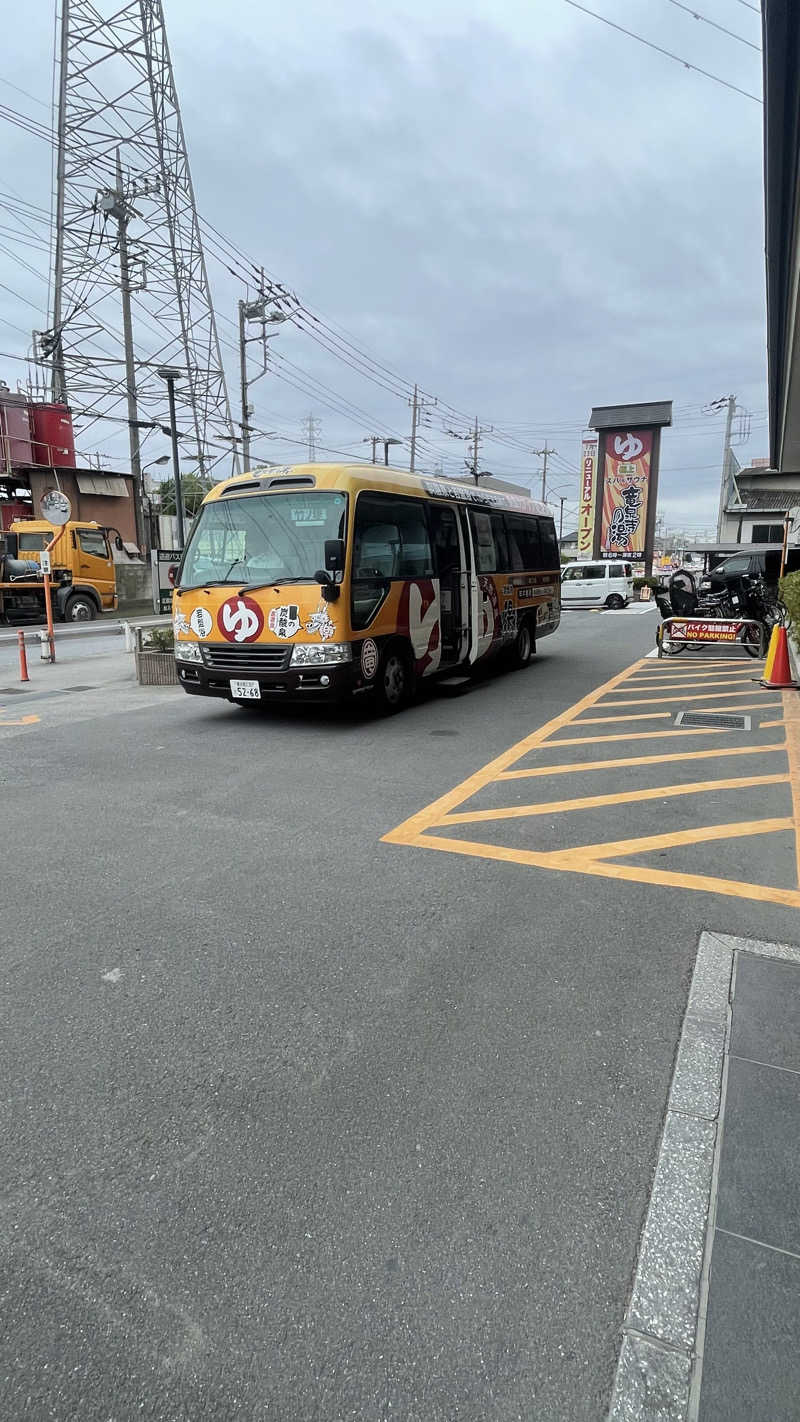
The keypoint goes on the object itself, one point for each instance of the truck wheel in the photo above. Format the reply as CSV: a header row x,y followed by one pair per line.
x,y
79,607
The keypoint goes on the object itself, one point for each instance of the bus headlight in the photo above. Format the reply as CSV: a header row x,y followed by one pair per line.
x,y
322,655
188,652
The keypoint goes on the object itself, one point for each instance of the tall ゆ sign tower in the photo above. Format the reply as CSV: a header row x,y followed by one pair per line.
x,y
621,499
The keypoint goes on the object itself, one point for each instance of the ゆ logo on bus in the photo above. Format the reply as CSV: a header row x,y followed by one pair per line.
x,y
240,619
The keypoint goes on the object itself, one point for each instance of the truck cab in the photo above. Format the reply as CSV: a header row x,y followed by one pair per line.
x,y
82,565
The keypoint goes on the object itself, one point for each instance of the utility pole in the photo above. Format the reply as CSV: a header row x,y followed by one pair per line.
x,y
245,422
115,205
726,460
418,405
56,346
311,428
262,313
414,416
474,438
385,440
561,519
543,453
476,435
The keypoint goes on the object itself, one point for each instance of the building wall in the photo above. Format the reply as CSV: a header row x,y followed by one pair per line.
x,y
769,482
98,508
738,527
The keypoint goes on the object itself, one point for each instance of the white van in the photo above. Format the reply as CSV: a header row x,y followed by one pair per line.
x,y
606,584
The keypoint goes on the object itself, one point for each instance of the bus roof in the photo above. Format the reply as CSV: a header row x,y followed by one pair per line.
x,y
353,478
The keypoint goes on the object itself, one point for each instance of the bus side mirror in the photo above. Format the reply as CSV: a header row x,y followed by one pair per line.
x,y
334,556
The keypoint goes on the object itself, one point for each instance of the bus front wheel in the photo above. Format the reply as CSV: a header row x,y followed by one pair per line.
x,y
394,684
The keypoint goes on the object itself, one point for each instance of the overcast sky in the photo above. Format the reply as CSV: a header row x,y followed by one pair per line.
x,y
513,204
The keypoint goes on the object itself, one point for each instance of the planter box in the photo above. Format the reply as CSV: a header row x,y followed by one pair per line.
x,y
156,669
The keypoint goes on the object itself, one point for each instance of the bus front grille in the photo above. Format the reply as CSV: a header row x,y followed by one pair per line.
x,y
246,661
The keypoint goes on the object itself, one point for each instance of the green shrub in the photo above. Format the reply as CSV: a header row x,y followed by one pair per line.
x,y
790,595
161,639
639,583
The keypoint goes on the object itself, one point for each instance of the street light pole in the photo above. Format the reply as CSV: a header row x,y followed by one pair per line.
x,y
169,374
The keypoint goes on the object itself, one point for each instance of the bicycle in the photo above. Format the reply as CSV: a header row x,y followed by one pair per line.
x,y
684,600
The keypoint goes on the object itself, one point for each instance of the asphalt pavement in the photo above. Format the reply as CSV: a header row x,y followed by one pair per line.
x,y
300,1123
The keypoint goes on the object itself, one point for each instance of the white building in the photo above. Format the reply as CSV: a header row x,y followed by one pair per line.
x,y
758,500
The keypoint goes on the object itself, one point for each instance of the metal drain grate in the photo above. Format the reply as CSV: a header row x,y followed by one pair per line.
x,y
711,718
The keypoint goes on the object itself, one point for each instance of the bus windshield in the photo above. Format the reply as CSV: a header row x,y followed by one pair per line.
x,y
261,538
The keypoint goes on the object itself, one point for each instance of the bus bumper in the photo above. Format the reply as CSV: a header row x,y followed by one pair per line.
x,y
305,683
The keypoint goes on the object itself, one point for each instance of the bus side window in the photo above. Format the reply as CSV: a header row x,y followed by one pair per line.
x,y
446,549
391,538
502,555
483,538
524,545
550,554
390,541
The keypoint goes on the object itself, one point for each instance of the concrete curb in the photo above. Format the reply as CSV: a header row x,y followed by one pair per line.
x,y
660,1363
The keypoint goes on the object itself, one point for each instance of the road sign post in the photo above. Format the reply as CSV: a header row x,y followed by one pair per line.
x,y
55,507
162,560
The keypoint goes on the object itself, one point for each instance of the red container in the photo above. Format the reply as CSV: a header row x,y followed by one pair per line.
x,y
53,439
15,430
11,511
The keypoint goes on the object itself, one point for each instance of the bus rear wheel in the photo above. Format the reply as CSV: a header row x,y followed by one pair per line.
x,y
523,645
394,684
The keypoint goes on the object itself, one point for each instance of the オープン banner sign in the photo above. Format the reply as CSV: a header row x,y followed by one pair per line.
x,y
626,486
587,498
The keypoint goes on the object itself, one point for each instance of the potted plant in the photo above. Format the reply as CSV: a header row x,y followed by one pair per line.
x,y
789,593
155,662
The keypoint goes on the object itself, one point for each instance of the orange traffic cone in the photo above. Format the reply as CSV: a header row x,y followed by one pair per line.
x,y
777,672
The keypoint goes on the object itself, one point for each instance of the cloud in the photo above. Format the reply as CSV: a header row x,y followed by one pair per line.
x,y
512,204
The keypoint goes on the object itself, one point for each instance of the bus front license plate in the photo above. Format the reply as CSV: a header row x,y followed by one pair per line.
x,y
245,691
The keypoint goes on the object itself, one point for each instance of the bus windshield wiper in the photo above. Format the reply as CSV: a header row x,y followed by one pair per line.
x,y
272,583
211,583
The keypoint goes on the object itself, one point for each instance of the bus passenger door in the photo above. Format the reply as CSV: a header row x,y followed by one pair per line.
x,y
448,556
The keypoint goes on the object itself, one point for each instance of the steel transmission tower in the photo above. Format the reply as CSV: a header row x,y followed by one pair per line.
x,y
128,244
312,428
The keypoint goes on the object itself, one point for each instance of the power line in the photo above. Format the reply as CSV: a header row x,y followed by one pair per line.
x,y
26,92
658,48
334,339
20,297
695,16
